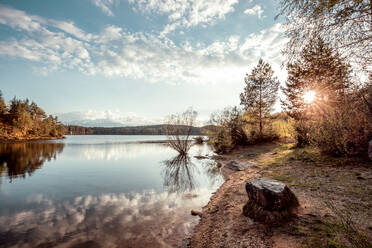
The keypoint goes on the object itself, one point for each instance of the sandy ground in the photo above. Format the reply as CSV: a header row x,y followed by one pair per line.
x,y
329,191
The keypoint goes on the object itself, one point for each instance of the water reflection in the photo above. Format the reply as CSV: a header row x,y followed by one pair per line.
x,y
101,195
212,171
118,151
149,219
17,160
178,174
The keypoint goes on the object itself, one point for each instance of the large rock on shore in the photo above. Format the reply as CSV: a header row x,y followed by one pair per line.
x,y
269,200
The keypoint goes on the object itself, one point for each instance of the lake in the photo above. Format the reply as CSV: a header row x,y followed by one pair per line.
x,y
101,191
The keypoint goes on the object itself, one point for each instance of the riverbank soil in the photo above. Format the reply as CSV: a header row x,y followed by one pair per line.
x,y
335,196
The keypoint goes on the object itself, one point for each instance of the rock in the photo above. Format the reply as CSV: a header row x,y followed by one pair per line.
x,y
233,165
370,149
269,200
189,195
216,157
196,213
201,157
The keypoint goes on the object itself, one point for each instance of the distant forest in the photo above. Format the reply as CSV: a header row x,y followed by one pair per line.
x,y
23,120
138,130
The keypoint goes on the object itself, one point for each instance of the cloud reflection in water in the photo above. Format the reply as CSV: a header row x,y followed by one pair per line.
x,y
112,220
89,218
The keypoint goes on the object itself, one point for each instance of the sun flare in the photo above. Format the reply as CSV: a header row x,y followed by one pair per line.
x,y
309,96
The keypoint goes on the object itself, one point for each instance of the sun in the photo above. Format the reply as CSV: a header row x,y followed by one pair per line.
x,y
309,96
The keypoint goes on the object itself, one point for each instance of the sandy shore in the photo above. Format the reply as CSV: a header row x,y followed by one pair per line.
x,y
329,190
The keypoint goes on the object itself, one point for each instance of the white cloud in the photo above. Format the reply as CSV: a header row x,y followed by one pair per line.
x,y
115,53
105,6
186,13
70,28
20,20
111,33
255,10
105,118
156,59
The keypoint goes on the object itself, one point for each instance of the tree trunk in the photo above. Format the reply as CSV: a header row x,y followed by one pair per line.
x,y
261,108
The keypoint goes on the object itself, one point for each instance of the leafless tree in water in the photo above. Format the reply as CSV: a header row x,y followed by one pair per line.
x,y
179,128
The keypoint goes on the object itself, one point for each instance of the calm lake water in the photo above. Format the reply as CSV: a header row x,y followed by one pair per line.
x,y
101,191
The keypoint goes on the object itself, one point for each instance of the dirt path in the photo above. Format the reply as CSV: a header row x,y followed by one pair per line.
x,y
327,190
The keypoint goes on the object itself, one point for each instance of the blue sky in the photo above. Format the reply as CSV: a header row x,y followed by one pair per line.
x,y
136,61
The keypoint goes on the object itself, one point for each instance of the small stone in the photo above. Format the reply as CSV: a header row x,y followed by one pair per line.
x,y
196,213
233,165
201,157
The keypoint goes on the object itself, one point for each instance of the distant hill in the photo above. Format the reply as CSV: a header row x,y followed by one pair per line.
x,y
94,123
136,130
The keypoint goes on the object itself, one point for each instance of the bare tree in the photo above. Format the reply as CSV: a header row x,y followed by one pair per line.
x,y
179,128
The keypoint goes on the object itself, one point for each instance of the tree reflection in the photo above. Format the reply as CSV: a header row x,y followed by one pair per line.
x,y
179,174
213,171
17,160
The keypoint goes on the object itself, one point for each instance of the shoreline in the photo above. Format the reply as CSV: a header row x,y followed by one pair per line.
x,y
311,177
6,140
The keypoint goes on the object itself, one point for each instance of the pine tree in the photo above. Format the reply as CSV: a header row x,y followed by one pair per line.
x,y
260,93
3,107
319,69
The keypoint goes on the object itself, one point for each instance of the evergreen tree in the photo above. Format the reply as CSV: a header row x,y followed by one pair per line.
x,y
3,108
260,93
19,115
28,119
319,69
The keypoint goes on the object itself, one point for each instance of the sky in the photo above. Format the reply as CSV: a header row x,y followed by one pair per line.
x,y
134,62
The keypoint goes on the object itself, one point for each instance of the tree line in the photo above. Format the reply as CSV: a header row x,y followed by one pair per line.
x,y
22,119
136,130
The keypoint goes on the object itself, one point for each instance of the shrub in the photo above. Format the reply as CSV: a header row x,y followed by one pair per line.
x,y
284,128
342,130
198,140
220,139
302,132
227,130
231,128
